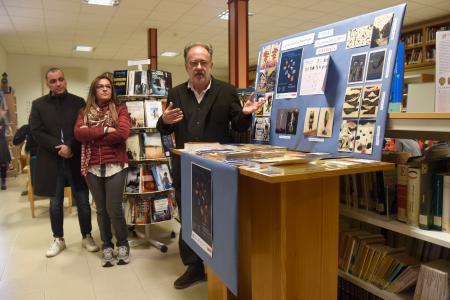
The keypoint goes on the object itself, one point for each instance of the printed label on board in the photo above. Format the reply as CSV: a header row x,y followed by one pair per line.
x,y
325,33
326,49
284,137
394,28
314,139
297,42
388,65
383,96
331,40
377,140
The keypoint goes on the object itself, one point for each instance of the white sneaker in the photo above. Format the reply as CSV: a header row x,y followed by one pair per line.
x,y
57,246
89,244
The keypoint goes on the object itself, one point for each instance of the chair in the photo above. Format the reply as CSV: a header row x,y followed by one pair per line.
x,y
32,197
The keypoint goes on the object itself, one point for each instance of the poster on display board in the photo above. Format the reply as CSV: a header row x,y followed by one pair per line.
x,y
329,87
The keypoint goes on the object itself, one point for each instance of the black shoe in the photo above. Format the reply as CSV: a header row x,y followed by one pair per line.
x,y
192,275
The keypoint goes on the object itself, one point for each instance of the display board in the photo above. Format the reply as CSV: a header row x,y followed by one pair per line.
x,y
328,88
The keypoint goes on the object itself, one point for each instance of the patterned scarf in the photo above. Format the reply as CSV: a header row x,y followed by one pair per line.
x,y
96,117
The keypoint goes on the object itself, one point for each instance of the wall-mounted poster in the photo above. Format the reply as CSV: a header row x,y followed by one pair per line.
x,y
262,129
375,65
370,101
357,67
364,137
287,120
288,74
352,102
267,107
269,56
314,75
359,37
266,80
201,205
326,117
347,136
381,30
311,121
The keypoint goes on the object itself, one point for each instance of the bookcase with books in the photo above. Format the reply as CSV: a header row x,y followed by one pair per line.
x,y
148,194
394,231
420,42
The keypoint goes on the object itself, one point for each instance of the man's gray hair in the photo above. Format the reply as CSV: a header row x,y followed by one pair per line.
x,y
188,47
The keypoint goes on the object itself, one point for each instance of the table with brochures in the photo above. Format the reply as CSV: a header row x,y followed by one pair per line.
x,y
288,229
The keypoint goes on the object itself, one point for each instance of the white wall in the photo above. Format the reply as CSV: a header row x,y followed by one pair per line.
x,y
3,58
25,73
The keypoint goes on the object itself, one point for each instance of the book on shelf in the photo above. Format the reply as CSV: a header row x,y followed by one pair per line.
x,y
433,281
167,143
162,177
153,110
152,145
133,182
134,149
120,82
162,208
147,181
136,112
413,196
446,204
160,82
402,191
138,83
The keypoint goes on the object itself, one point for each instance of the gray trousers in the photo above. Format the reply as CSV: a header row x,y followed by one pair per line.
x,y
107,193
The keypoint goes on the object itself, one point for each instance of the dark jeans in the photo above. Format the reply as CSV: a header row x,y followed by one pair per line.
x,y
107,193
56,204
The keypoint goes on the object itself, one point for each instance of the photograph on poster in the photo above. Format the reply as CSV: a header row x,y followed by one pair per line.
x,y
352,102
364,137
370,101
357,67
375,65
267,107
259,97
347,132
314,75
287,120
201,207
326,118
269,56
359,37
288,74
381,30
266,80
262,129
311,120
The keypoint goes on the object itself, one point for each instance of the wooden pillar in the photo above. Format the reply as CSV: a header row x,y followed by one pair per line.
x,y
238,42
153,48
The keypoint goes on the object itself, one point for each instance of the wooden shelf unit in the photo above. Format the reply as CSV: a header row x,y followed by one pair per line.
x,y
420,42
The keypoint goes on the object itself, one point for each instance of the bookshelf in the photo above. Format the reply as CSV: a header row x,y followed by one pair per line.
x,y
373,289
403,125
420,42
436,237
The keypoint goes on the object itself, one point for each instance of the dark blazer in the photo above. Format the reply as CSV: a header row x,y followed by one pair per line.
x,y
49,116
208,121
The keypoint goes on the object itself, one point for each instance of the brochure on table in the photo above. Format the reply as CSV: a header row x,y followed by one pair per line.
x,y
329,87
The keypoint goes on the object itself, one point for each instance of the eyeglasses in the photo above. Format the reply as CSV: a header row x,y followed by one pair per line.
x,y
194,63
103,86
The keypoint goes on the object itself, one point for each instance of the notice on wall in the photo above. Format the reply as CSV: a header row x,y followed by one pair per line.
x,y
442,71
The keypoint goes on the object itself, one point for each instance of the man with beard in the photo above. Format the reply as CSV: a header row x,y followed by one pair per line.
x,y
201,110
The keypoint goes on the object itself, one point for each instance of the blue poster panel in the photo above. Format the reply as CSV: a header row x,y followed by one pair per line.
x,y
209,197
330,86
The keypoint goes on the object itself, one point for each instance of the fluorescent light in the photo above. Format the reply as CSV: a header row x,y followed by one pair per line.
x,y
226,14
103,2
84,48
169,54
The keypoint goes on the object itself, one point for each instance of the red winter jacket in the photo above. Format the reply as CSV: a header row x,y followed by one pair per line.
x,y
106,147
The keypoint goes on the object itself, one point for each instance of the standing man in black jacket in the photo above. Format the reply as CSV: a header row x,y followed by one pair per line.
x,y
52,121
201,110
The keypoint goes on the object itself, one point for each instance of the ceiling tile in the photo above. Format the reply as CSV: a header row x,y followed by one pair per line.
x,y
24,12
173,6
22,3
62,6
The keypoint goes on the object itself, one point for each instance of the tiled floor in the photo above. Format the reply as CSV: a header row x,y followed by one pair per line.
x,y
25,272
